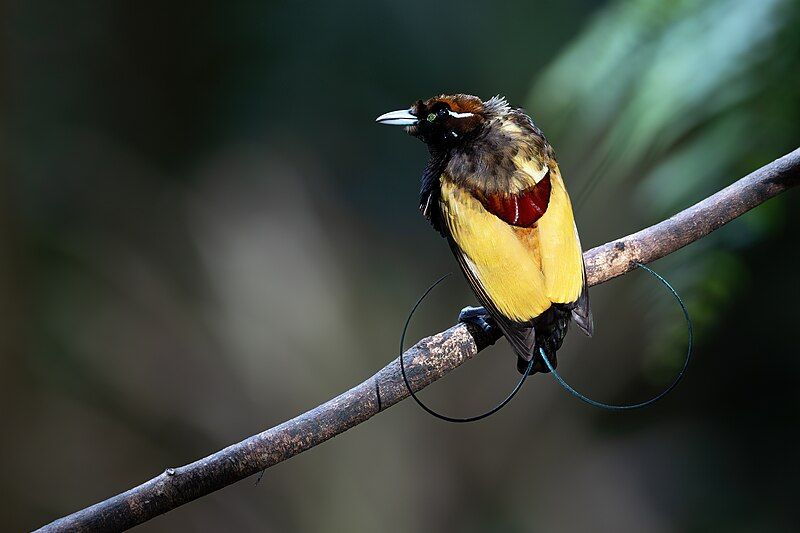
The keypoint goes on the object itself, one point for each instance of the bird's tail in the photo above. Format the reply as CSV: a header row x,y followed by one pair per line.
x,y
549,330
538,363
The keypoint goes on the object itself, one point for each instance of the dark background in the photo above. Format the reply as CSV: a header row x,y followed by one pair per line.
x,y
203,233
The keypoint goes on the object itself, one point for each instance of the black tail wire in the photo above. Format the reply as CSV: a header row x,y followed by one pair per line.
x,y
560,380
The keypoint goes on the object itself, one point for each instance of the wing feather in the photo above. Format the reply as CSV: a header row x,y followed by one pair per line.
x,y
582,313
560,247
518,273
505,265
522,337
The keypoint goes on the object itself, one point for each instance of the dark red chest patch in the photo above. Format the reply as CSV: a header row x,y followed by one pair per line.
x,y
522,209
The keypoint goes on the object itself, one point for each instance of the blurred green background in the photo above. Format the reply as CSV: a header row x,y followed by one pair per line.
x,y
203,233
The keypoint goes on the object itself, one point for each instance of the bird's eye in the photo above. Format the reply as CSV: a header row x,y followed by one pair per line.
x,y
439,111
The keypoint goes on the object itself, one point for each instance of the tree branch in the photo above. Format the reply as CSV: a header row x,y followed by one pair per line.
x,y
428,360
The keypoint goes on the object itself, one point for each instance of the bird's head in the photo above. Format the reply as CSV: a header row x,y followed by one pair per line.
x,y
446,121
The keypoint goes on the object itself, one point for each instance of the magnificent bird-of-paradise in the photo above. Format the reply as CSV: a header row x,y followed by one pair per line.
x,y
493,189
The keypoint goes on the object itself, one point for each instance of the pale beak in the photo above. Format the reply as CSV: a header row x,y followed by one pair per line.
x,y
398,118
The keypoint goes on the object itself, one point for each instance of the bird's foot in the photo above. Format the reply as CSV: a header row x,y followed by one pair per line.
x,y
481,325
479,317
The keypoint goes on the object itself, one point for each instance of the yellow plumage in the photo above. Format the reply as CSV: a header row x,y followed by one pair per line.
x,y
522,270
560,247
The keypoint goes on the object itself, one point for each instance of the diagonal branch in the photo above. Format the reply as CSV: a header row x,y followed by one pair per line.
x,y
428,360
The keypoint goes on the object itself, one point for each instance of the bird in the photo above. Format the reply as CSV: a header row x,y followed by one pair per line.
x,y
493,188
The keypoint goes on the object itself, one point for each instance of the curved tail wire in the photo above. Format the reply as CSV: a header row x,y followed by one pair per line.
x,y
566,386
427,409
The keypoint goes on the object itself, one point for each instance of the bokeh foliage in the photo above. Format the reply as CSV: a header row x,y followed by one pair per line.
x,y
673,100
202,233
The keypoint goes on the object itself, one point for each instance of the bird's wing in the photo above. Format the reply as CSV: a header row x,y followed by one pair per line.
x,y
522,337
501,260
517,272
562,260
582,313
562,257
559,245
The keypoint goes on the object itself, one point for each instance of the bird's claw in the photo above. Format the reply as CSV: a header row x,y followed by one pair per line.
x,y
479,319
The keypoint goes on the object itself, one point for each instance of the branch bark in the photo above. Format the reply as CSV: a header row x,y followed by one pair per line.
x,y
427,361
